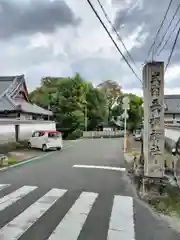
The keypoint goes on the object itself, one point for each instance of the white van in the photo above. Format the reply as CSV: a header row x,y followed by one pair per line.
x,y
138,135
45,140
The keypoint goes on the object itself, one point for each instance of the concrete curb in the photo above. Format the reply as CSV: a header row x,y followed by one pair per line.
x,y
28,160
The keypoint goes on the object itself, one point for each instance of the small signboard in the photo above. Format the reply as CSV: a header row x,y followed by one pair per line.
x,y
126,103
125,115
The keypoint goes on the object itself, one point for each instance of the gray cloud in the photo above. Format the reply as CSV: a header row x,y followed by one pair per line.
x,y
100,69
19,21
148,15
37,16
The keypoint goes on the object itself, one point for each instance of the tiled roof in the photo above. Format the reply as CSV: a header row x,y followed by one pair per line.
x,y
5,83
32,108
172,103
7,78
9,104
6,104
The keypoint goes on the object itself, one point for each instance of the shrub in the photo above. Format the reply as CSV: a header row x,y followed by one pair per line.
x,y
75,134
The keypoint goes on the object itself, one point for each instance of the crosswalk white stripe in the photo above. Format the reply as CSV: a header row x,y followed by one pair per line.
x,y
2,186
11,198
71,225
17,227
121,224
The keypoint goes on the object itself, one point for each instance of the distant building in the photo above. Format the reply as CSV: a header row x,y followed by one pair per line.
x,y
172,109
19,118
14,101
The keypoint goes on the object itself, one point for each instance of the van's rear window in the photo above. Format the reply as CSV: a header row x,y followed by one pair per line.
x,y
54,135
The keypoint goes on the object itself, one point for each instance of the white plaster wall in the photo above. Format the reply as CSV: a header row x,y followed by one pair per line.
x,y
7,129
24,116
173,134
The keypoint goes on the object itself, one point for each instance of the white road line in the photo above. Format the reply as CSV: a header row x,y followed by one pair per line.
x,y
121,224
17,227
100,167
13,197
71,225
2,186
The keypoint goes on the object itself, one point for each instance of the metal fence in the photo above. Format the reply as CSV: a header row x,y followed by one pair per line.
x,y
103,134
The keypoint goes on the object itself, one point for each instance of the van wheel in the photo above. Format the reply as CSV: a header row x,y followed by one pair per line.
x,y
59,148
44,148
29,145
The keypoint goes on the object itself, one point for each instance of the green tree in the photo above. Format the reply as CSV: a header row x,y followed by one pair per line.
x,y
70,99
113,93
135,112
96,106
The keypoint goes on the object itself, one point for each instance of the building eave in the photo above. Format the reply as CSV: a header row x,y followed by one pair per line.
x,y
171,112
33,109
9,100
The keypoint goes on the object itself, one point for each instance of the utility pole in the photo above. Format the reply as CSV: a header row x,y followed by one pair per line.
x,y
85,118
125,116
49,105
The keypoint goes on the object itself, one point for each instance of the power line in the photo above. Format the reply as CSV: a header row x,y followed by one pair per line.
x,y
172,50
97,15
161,25
169,37
169,25
114,29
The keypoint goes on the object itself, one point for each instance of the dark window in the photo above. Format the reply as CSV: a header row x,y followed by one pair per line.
x,y
36,134
174,116
54,135
41,134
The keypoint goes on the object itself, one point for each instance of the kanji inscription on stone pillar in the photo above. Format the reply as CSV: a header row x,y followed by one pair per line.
x,y
153,147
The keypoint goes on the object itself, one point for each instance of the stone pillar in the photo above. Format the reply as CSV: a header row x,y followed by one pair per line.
x,y
153,147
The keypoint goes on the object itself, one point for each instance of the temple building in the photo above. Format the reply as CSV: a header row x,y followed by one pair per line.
x,y
172,110
14,101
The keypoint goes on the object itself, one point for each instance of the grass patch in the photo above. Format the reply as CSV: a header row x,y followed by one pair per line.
x,y
133,153
11,160
11,146
168,205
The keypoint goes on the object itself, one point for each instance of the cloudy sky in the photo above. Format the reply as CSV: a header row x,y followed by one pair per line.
x,y
60,37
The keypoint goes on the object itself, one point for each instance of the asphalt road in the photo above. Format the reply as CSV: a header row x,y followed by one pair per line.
x,y
51,199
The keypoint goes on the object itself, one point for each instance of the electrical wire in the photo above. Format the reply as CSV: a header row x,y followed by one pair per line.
x,y
172,50
169,25
114,29
161,25
105,28
168,37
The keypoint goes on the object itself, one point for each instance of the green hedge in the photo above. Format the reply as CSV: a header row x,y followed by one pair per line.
x,y
75,135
